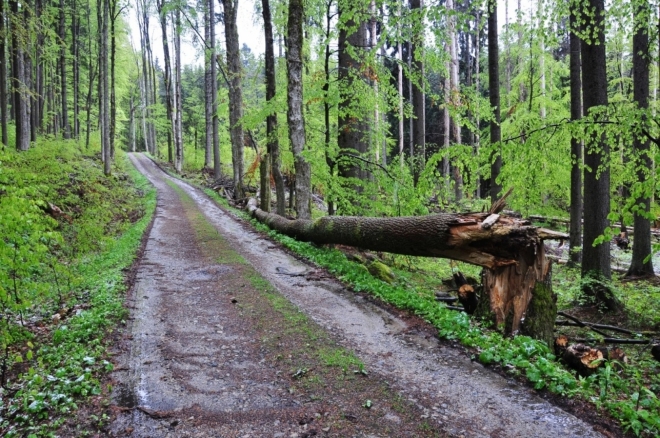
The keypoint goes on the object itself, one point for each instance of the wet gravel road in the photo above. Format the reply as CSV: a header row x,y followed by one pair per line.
x,y
190,367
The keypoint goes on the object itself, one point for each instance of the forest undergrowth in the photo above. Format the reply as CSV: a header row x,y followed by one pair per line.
x,y
69,234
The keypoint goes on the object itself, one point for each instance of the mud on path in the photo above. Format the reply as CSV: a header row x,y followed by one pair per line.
x,y
225,340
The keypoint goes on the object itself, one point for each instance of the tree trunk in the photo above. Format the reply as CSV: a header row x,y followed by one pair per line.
x,y
21,97
399,69
454,91
641,264
596,259
329,160
494,94
353,128
75,35
178,96
112,17
66,129
208,92
3,76
295,118
105,95
167,78
273,145
575,242
418,97
510,250
217,169
235,73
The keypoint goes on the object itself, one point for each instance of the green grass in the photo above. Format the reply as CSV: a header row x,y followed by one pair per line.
x,y
61,364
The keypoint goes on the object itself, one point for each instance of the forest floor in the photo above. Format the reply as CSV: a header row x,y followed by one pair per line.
x,y
232,336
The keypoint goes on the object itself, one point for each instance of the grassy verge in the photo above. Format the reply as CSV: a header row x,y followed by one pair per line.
x,y
71,297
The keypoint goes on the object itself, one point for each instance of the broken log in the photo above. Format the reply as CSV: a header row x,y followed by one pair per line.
x,y
584,359
466,293
511,250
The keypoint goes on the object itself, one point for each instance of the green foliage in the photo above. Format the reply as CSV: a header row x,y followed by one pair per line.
x,y
75,263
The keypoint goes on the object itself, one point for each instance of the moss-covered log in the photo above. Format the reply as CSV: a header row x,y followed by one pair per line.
x,y
510,249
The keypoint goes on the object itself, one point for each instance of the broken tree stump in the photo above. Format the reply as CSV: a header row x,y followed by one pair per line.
x,y
510,250
583,359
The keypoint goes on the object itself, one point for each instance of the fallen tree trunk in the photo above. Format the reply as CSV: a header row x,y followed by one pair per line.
x,y
510,250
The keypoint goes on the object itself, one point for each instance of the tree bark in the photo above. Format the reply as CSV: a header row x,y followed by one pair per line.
x,y
178,95
167,78
418,96
66,128
235,73
353,128
107,132
75,36
295,118
329,160
217,165
208,93
494,94
3,76
575,242
273,145
596,259
21,99
641,264
454,91
511,250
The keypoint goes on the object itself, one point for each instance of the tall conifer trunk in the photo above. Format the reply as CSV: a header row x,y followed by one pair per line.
x,y
494,92
217,169
418,96
21,97
273,147
575,243
294,62
167,78
596,259
235,73
208,94
3,76
66,129
178,95
353,126
641,264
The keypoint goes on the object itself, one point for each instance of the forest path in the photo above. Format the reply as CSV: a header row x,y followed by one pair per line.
x,y
223,342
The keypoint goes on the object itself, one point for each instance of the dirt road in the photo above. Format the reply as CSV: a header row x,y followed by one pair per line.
x,y
227,340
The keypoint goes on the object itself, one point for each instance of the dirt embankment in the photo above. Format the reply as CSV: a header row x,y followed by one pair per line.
x,y
232,336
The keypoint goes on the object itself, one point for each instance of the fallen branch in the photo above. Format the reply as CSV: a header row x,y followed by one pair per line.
x,y
615,341
580,323
598,326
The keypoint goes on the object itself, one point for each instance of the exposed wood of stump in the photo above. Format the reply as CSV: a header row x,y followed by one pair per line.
x,y
584,359
466,293
561,344
510,249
